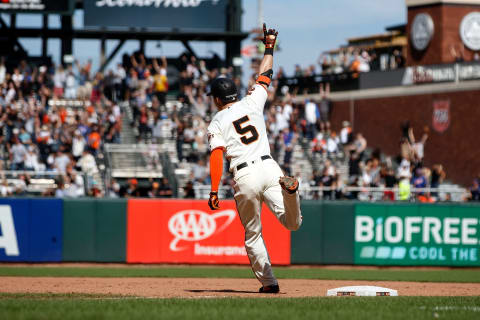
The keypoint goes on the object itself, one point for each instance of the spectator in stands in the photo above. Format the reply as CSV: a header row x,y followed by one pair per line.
x,y
61,161
188,190
359,145
95,190
3,70
165,190
120,76
437,177
419,180
154,191
311,116
404,188
5,189
59,79
474,191
78,145
200,173
418,147
325,106
399,59
113,189
332,144
161,80
346,133
94,140
87,163
75,183
31,159
18,154
390,182
131,190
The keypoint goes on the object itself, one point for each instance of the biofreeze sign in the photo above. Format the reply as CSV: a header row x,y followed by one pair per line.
x,y
415,239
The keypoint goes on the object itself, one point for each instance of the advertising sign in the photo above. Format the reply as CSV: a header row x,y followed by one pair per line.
x,y
417,235
37,6
179,231
207,15
441,115
31,230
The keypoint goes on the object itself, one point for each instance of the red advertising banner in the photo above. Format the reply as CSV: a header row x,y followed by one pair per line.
x,y
187,231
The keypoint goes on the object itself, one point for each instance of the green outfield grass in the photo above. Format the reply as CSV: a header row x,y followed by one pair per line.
x,y
94,307
453,275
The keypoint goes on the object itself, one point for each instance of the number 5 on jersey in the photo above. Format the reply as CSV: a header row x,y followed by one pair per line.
x,y
243,131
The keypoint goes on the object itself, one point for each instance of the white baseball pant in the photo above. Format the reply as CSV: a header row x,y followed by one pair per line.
x,y
254,184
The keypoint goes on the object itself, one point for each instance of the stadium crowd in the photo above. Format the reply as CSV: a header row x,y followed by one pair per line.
x,y
38,133
42,135
355,60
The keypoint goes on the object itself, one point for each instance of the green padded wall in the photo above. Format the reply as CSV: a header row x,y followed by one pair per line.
x,y
111,230
94,230
78,230
307,241
338,232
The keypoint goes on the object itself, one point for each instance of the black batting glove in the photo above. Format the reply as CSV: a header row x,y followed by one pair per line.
x,y
269,37
213,202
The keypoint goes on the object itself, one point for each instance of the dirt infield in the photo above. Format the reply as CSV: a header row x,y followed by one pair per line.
x,y
202,288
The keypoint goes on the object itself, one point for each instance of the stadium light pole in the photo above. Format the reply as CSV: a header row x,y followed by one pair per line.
x,y
260,13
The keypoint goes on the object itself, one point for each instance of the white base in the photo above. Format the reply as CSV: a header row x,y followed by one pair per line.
x,y
362,291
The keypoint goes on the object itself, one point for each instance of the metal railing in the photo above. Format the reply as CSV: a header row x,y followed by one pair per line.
x,y
38,181
356,193
135,160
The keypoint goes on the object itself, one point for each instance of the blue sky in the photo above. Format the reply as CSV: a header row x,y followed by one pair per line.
x,y
306,28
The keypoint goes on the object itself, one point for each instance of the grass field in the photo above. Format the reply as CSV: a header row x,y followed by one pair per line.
x,y
100,307
454,275
103,306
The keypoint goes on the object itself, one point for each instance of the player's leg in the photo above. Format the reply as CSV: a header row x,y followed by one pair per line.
x,y
285,205
249,206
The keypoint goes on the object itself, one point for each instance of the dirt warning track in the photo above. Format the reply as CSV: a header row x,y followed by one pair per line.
x,y
211,287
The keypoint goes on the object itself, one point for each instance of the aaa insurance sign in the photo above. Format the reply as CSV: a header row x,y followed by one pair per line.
x,y
417,235
178,231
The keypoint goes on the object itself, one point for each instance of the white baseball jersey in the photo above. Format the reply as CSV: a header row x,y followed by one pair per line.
x,y
240,129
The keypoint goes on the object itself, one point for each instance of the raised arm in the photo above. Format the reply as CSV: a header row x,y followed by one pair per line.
x,y
265,72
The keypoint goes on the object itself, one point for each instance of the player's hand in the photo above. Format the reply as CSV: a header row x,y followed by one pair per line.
x,y
269,37
213,202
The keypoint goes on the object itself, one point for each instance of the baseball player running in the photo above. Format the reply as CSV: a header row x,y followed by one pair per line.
x,y
238,130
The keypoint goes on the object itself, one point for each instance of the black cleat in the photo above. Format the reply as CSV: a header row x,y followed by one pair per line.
x,y
270,289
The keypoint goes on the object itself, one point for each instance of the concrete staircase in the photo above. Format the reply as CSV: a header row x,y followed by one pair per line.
x,y
128,134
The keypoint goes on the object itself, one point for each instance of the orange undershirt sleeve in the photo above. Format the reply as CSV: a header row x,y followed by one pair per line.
x,y
216,168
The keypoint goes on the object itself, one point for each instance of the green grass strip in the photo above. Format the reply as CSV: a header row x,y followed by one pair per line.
x,y
385,308
453,275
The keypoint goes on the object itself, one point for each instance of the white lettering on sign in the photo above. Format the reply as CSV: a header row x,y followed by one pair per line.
x,y
411,227
363,229
152,3
431,225
389,223
449,230
196,225
200,250
468,229
8,237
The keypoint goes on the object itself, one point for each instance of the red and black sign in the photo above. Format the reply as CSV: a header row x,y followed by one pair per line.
x,y
441,115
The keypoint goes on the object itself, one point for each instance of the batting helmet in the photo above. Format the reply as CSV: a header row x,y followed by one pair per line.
x,y
224,89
